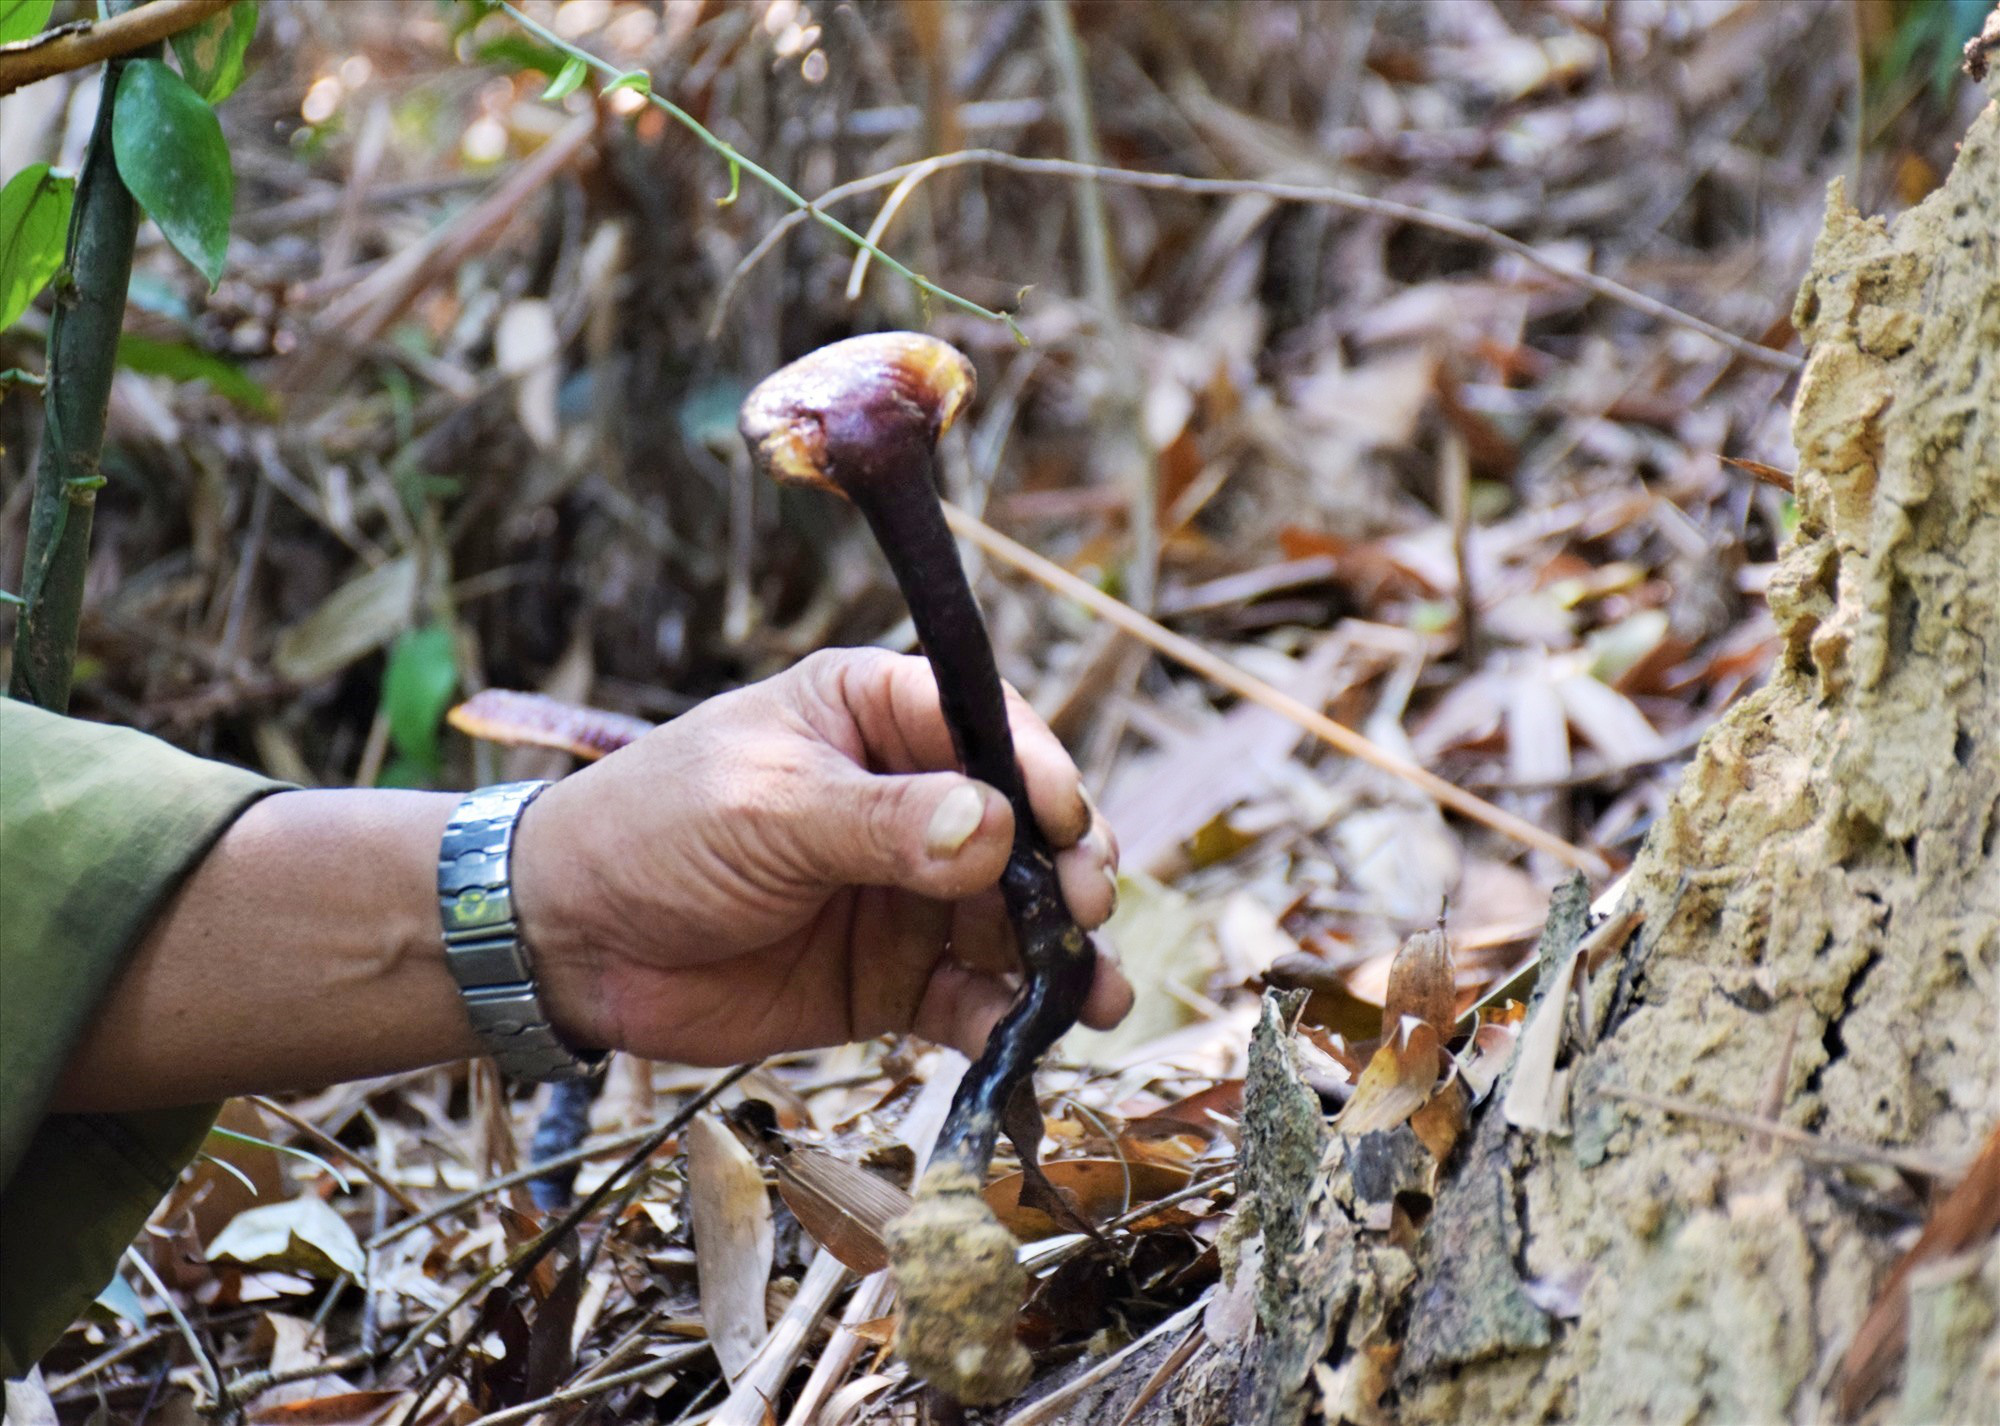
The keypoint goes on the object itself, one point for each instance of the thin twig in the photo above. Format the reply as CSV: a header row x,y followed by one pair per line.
x,y
326,1141
1283,192
1059,1400
69,47
1217,669
1929,1165
535,1170
545,1242
211,1374
804,207
584,1391
1060,1255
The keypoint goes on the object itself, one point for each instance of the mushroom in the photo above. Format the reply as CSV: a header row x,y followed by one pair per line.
x,y
862,418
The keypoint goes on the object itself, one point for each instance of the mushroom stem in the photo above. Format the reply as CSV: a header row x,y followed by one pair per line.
x,y
862,418
1055,952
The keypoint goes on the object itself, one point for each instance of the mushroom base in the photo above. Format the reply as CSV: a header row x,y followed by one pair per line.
x,y
960,1282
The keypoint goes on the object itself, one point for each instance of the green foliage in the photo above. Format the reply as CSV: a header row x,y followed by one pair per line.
x,y
181,361
567,81
173,157
21,18
517,52
422,676
34,221
218,1132
632,79
211,54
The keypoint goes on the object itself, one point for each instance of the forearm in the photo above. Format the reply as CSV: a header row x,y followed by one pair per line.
x,y
304,950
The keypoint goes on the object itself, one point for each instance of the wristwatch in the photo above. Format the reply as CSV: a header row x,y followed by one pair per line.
x,y
482,940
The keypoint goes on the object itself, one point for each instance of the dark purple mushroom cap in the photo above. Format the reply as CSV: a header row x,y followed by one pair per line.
x,y
858,415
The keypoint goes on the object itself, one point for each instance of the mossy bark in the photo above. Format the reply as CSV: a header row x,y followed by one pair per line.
x,y
1823,910
1822,935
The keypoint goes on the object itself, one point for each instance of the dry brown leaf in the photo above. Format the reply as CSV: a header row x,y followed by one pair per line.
x,y
1398,1079
1442,1119
1095,1189
1969,1215
344,1408
358,618
843,1206
1423,983
730,1213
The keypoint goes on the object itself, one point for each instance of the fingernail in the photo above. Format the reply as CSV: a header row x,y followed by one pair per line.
x,y
954,822
1111,875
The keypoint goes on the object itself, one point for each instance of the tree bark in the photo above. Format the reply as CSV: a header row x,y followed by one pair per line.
x,y
1821,946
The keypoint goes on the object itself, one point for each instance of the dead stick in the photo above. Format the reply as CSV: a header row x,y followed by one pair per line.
x,y
1219,670
71,47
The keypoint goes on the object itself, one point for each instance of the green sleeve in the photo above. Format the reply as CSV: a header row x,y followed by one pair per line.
x,y
98,826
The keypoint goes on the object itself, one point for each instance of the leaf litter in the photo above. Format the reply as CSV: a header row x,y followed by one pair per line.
x,y
1512,525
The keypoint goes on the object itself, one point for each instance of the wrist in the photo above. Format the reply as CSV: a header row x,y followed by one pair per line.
x,y
554,888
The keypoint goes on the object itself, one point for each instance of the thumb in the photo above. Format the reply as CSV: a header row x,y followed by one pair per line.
x,y
938,834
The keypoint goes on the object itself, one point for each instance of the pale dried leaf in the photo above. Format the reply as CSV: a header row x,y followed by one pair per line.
x,y
730,1212
358,618
302,1235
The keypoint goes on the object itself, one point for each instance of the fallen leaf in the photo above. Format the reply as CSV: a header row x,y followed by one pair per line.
x,y
730,1213
1097,1189
302,1235
1398,1079
1422,983
358,618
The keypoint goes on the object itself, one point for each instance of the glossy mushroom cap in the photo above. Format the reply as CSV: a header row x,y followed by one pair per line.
x,y
859,415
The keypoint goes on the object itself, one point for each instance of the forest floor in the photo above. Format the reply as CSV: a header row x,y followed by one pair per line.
x,y
1460,412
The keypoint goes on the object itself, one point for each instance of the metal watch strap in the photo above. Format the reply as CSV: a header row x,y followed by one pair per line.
x,y
482,940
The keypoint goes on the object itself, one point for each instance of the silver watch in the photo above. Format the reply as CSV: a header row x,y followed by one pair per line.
x,y
482,940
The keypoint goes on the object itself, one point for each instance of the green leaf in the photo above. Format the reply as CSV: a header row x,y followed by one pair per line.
x,y
34,223
179,361
422,676
293,1149
172,156
632,79
21,18
521,53
565,83
211,53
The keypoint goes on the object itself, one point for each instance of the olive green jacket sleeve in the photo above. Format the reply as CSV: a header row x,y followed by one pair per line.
x,y
98,826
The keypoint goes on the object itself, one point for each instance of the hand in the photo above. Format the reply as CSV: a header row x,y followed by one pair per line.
x,y
785,866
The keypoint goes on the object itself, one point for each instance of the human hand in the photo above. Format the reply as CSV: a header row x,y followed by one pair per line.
x,y
785,866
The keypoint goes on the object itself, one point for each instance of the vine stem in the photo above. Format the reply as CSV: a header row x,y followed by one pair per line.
x,y
739,164
83,353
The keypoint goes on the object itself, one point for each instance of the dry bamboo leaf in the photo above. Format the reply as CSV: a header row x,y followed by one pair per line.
x,y
1398,1079
1481,1062
730,1213
841,1407
1537,733
844,1207
1609,721
1538,1097
358,618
